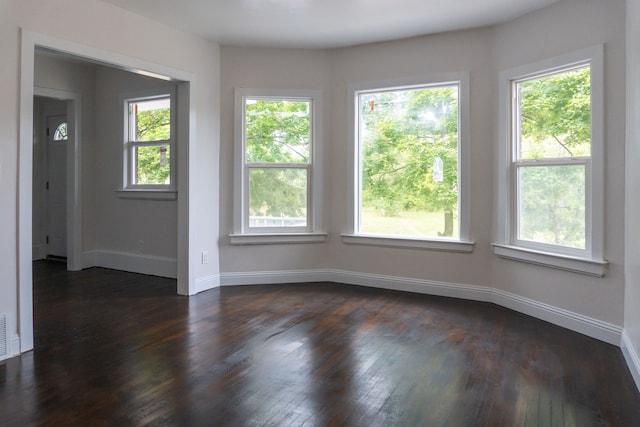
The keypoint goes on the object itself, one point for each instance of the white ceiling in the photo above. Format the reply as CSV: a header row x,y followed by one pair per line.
x,y
325,23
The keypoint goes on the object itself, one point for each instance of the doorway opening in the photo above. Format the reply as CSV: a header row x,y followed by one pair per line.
x,y
50,150
56,193
31,43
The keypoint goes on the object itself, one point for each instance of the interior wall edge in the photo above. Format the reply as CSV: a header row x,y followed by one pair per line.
x,y
207,283
631,357
15,345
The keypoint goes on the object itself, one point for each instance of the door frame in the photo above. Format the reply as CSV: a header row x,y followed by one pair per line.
x,y
56,212
73,102
186,238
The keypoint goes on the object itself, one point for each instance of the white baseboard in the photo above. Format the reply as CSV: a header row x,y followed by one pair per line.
x,y
420,286
273,277
135,263
14,350
39,252
585,325
207,283
478,293
632,357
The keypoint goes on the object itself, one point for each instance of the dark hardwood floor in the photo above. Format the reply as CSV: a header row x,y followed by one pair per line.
x,y
121,349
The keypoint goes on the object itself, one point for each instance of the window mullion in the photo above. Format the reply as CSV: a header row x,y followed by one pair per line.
x,y
158,143
552,162
277,165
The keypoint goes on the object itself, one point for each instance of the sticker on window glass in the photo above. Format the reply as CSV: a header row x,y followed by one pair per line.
x,y
438,170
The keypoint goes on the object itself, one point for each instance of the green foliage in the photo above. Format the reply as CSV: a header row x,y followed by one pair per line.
x,y
276,192
402,134
408,223
552,205
556,123
556,115
277,132
153,124
152,164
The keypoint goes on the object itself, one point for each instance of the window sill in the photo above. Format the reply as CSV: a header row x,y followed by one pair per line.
x,y
277,238
147,194
442,245
587,266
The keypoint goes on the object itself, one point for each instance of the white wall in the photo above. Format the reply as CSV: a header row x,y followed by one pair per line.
x,y
106,28
68,76
127,226
268,69
423,56
331,72
632,230
562,28
569,25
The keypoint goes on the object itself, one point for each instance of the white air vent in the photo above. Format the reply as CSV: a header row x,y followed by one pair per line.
x,y
4,337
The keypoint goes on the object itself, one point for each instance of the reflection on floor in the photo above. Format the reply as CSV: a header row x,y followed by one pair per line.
x,y
116,348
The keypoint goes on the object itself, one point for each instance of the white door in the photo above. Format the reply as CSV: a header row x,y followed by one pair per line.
x,y
57,185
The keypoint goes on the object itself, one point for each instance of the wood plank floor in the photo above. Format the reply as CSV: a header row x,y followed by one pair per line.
x,y
121,349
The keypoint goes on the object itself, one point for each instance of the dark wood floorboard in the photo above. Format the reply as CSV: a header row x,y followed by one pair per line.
x,y
121,349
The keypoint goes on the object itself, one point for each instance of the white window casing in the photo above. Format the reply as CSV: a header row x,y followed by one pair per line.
x,y
352,235
589,260
130,189
243,232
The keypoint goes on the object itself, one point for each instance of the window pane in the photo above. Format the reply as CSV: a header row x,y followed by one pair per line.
x,y
555,115
150,120
552,205
408,142
277,131
152,165
61,132
277,197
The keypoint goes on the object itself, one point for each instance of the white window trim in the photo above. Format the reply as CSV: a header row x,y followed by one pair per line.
x,y
313,233
129,190
585,266
443,245
590,261
463,243
277,238
147,194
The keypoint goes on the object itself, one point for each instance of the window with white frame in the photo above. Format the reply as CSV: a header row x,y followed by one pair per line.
x,y
552,197
277,164
149,146
410,168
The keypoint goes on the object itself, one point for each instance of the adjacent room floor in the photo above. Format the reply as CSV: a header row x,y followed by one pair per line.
x,y
122,349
